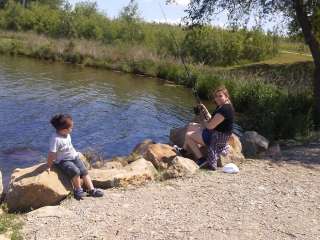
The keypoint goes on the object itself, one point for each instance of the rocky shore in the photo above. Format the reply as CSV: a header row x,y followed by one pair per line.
x,y
155,194
266,200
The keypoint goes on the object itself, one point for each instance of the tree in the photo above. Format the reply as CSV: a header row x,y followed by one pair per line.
x,y
130,13
304,14
131,29
25,3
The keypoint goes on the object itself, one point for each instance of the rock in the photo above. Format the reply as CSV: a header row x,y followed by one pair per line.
x,y
141,148
180,167
235,143
274,151
234,153
177,136
1,186
160,155
109,164
50,211
97,164
253,143
33,187
124,160
112,165
136,173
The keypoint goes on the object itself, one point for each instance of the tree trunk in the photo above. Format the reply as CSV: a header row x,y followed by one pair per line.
x,y
314,46
316,93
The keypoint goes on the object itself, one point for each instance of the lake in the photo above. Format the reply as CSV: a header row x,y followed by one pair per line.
x,y
112,111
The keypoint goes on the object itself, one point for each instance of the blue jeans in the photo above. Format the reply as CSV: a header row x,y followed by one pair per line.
x,y
72,168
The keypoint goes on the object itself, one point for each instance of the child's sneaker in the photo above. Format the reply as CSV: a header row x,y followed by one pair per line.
x,y
96,193
79,194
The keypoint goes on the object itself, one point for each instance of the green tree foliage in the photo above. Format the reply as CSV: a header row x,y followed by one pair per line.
x,y
216,46
209,45
130,13
25,3
130,23
303,16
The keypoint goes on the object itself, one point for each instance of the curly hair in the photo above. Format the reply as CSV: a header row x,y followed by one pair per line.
x,y
61,121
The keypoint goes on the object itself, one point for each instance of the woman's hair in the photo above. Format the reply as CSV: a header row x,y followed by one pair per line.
x,y
222,89
61,121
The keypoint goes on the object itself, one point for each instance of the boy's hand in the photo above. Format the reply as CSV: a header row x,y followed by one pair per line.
x,y
49,167
51,158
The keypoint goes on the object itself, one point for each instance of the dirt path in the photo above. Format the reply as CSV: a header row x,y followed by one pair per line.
x,y
266,200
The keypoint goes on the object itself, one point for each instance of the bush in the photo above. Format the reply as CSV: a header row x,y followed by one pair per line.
x,y
273,112
206,45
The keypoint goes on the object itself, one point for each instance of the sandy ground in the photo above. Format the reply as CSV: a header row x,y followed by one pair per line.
x,y
266,200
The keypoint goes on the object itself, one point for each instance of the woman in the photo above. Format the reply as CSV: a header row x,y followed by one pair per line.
x,y
215,132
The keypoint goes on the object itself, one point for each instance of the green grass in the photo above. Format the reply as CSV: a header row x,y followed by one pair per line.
x,y
294,46
288,58
10,226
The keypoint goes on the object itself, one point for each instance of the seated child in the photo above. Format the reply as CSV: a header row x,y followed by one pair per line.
x,y
66,158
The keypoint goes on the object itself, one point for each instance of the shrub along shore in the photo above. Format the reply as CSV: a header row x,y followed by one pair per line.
x,y
84,36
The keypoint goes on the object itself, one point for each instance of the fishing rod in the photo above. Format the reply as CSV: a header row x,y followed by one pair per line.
x,y
194,90
237,129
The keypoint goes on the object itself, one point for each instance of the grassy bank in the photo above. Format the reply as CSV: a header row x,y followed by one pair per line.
x,y
262,105
10,226
207,45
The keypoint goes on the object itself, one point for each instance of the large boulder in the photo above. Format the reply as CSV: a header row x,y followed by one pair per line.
x,y
141,148
138,172
160,155
253,144
1,186
177,136
111,165
234,152
50,212
33,187
180,167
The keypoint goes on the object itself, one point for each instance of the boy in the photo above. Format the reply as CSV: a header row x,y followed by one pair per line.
x,y
66,158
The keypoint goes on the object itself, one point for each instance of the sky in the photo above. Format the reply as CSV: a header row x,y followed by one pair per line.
x,y
150,10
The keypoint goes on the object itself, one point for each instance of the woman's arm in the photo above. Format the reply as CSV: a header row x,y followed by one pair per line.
x,y
214,122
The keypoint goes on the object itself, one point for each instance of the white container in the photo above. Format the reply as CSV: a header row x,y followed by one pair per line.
x,y
231,168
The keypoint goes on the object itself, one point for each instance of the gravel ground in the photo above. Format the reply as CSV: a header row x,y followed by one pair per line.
x,y
266,200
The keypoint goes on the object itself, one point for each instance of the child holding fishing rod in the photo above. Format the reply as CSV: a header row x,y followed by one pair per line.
x,y
63,155
214,133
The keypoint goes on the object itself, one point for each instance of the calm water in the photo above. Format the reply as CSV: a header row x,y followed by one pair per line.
x,y
112,111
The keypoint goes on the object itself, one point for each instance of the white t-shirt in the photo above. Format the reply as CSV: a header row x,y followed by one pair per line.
x,y
63,147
